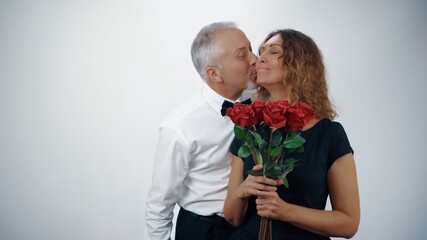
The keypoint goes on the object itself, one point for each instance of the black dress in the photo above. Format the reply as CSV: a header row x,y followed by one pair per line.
x,y
325,142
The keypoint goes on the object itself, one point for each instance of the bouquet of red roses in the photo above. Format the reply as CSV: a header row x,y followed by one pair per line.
x,y
267,130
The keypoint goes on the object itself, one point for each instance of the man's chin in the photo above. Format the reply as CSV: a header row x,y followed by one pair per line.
x,y
253,77
251,85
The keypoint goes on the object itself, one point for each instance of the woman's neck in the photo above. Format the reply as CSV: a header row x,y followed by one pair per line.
x,y
283,93
277,97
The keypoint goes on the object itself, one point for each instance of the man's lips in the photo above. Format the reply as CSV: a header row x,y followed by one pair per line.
x,y
253,71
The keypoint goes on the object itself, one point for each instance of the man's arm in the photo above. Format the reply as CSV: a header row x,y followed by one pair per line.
x,y
170,167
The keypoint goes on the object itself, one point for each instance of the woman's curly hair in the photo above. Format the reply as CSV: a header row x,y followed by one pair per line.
x,y
305,71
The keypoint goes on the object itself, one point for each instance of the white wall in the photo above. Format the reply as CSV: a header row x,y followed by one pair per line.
x,y
84,85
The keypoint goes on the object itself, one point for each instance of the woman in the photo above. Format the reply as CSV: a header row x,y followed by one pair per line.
x,y
290,67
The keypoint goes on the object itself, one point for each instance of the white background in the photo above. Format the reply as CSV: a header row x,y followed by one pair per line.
x,y
84,85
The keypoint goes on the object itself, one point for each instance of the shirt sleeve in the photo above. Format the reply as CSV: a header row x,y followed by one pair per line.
x,y
170,167
340,144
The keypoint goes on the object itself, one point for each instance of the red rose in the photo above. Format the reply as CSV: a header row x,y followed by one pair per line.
x,y
274,113
258,106
283,103
242,115
299,116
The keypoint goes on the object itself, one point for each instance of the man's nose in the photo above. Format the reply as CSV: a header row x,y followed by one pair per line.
x,y
254,58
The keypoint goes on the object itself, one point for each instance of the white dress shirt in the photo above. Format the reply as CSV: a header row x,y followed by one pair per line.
x,y
192,163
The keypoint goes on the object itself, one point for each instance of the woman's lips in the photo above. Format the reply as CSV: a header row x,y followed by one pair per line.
x,y
262,69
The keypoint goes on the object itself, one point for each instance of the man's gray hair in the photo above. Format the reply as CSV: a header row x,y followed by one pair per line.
x,y
204,51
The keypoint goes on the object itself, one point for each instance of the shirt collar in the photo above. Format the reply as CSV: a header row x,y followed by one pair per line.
x,y
214,99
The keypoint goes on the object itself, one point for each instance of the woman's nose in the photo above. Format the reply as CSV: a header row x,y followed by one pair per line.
x,y
261,58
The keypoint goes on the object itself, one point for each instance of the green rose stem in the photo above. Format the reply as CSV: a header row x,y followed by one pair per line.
x,y
253,150
265,228
269,150
282,153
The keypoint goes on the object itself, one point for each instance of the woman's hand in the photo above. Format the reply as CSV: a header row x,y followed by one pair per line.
x,y
239,190
271,206
256,185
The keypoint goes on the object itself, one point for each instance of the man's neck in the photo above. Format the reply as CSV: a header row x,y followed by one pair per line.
x,y
226,93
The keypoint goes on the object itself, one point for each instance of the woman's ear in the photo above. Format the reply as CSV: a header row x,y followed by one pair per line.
x,y
213,74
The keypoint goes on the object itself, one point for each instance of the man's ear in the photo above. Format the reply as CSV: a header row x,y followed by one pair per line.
x,y
213,74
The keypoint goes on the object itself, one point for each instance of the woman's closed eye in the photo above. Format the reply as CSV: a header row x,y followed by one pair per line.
x,y
276,50
272,50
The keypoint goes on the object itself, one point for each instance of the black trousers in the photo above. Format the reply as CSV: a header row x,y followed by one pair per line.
x,y
190,226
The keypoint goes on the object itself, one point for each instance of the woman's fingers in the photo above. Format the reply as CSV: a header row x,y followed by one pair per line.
x,y
258,185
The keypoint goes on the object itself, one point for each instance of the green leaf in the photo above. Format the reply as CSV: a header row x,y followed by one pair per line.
x,y
265,132
285,182
276,138
276,172
289,163
259,141
275,152
288,166
258,155
294,141
299,149
244,151
240,132
255,172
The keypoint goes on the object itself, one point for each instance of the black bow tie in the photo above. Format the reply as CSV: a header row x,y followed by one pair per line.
x,y
227,104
